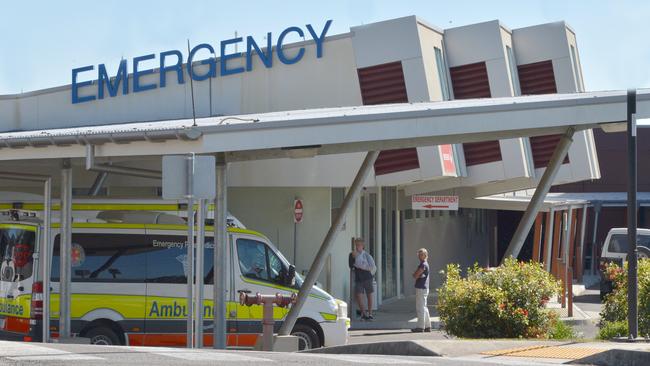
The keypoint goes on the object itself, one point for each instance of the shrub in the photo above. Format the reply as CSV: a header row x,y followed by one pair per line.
x,y
503,302
614,313
561,330
609,330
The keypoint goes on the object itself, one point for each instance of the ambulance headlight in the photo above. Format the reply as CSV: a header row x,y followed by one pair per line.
x,y
341,309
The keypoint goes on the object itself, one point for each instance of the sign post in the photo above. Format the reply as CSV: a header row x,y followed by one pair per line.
x,y
298,215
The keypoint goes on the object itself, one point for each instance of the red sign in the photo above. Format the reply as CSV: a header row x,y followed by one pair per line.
x,y
448,163
297,211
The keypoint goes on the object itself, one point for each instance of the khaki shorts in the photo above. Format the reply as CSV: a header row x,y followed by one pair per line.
x,y
363,286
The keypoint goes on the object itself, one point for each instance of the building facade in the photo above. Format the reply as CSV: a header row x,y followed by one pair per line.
x,y
404,60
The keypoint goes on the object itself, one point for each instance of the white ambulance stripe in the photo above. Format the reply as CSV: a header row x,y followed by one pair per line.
x,y
20,351
367,359
199,355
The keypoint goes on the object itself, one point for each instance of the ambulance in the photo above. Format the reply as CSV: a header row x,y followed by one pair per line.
x,y
129,279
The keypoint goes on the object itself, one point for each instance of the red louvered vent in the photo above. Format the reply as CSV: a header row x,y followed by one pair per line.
x,y
471,81
538,78
381,84
482,152
391,161
543,147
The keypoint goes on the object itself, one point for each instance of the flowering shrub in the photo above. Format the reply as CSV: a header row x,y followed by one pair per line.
x,y
503,302
614,313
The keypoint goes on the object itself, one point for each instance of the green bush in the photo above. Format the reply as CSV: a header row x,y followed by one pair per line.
x,y
561,330
609,330
503,302
615,307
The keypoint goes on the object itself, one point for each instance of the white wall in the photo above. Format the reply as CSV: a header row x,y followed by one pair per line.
x,y
449,239
313,82
270,211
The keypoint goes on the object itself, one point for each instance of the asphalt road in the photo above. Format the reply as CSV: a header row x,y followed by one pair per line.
x,y
18,353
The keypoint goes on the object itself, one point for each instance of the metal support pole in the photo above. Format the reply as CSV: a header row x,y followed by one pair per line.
x,y
548,247
379,246
319,260
97,184
398,243
537,200
220,245
568,228
46,256
594,242
581,250
632,285
65,250
200,268
189,270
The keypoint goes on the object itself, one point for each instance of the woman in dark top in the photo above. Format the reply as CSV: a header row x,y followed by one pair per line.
x,y
421,276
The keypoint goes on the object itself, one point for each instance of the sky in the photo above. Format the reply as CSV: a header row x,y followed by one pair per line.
x,y
42,41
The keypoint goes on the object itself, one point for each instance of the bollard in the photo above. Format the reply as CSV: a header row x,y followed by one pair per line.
x,y
267,322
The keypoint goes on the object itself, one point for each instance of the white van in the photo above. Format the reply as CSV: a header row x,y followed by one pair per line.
x,y
615,250
129,284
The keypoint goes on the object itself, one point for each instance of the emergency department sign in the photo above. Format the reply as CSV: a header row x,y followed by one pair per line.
x,y
446,203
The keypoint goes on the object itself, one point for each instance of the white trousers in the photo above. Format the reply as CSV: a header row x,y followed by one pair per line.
x,y
421,308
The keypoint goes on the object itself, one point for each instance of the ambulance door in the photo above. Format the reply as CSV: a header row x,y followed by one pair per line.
x,y
17,245
257,270
166,288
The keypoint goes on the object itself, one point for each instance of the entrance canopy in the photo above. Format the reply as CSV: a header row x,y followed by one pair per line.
x,y
306,133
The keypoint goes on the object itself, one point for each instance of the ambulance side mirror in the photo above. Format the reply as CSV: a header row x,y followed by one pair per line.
x,y
291,275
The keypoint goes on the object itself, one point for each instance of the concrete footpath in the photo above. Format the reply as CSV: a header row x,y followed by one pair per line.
x,y
501,351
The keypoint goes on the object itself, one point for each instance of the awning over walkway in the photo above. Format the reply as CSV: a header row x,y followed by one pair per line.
x,y
334,130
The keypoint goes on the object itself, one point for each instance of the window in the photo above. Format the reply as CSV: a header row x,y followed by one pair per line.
x,y
618,243
16,249
513,72
167,259
442,74
258,261
252,259
104,258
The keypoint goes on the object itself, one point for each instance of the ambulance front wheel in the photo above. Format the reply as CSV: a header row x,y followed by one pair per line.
x,y
307,337
103,336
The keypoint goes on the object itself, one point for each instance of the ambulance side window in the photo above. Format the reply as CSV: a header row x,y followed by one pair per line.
x,y
103,257
276,267
167,259
252,259
258,261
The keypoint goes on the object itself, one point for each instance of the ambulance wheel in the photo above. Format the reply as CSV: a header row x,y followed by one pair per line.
x,y
103,336
307,337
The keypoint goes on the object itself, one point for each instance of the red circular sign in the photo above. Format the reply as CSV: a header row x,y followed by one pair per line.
x,y
22,255
297,211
